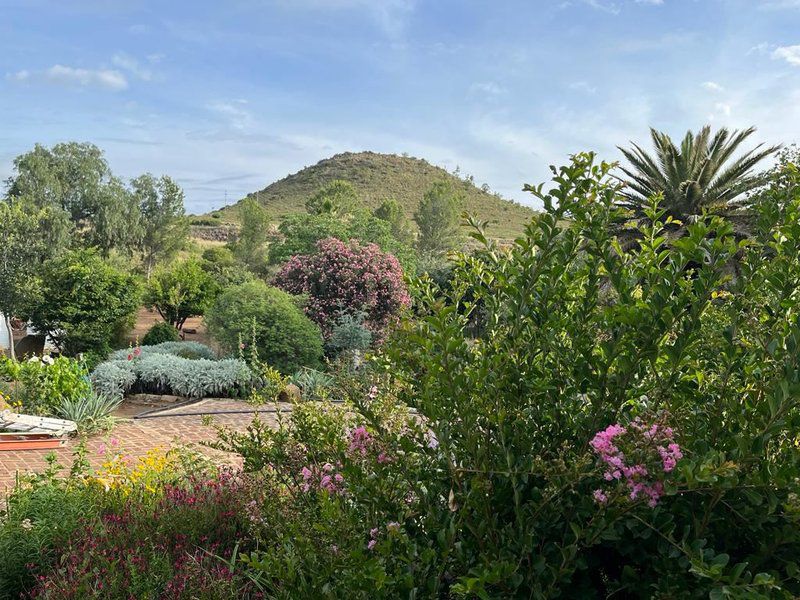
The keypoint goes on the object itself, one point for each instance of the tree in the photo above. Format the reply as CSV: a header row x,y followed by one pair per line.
x,y
251,246
84,302
698,175
302,232
337,198
437,218
391,212
285,338
22,250
347,278
76,179
180,291
164,228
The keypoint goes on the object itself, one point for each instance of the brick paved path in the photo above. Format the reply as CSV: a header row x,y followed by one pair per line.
x,y
136,437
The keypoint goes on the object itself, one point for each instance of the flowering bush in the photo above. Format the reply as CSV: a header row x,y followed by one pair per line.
x,y
347,278
153,527
636,455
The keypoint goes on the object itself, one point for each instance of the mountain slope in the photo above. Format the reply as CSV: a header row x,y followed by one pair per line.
x,y
380,176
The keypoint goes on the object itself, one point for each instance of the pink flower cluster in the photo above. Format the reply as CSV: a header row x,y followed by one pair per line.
x,y
360,440
347,277
645,442
324,479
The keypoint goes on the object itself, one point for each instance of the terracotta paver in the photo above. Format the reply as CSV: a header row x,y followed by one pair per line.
x,y
136,437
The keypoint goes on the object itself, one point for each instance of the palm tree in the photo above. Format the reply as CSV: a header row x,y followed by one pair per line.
x,y
696,176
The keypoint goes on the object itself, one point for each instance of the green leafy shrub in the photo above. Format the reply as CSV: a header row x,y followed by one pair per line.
x,y
180,291
620,423
43,384
159,333
84,302
284,337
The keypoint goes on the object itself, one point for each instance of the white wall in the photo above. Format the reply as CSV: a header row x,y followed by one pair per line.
x,y
3,333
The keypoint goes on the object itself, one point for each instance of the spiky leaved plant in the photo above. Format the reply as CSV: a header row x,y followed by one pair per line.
x,y
698,175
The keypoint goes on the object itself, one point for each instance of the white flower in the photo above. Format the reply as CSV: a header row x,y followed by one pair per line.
x,y
33,359
26,524
47,359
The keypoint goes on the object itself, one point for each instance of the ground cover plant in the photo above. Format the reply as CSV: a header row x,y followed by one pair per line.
x,y
179,368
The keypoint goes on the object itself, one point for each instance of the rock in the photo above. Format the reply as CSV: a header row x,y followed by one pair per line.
x,y
291,393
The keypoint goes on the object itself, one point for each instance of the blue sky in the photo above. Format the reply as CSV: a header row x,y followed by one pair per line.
x,y
228,96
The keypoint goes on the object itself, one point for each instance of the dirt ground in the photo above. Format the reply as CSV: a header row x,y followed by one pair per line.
x,y
146,318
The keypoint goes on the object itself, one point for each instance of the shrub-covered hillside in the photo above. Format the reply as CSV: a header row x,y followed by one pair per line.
x,y
377,177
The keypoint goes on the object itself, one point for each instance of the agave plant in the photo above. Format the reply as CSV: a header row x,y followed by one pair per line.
x,y
91,412
698,175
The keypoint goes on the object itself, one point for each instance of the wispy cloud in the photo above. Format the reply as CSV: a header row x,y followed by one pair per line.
x,y
132,66
108,79
583,87
391,15
713,86
488,88
790,54
234,112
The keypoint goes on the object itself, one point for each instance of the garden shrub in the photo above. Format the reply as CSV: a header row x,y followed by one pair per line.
x,y
43,385
341,278
621,423
164,517
161,373
180,291
257,313
160,333
84,303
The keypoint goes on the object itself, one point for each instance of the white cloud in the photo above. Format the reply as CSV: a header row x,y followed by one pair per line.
x,y
132,66
790,54
71,76
391,15
490,88
778,4
234,112
19,75
713,86
724,109
584,87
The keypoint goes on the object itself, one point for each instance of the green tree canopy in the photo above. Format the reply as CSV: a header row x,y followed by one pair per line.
x,y
391,212
76,179
84,302
23,248
164,228
700,174
337,198
250,248
437,219
180,291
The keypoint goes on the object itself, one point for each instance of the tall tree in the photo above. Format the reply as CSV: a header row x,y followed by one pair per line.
x,y
437,218
250,248
700,174
76,179
163,227
391,212
337,198
23,247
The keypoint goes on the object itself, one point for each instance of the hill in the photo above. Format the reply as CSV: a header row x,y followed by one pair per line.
x,y
377,177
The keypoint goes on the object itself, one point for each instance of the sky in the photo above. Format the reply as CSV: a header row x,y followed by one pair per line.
x,y
227,97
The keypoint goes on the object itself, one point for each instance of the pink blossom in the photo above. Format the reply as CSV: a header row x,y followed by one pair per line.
x,y
600,496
